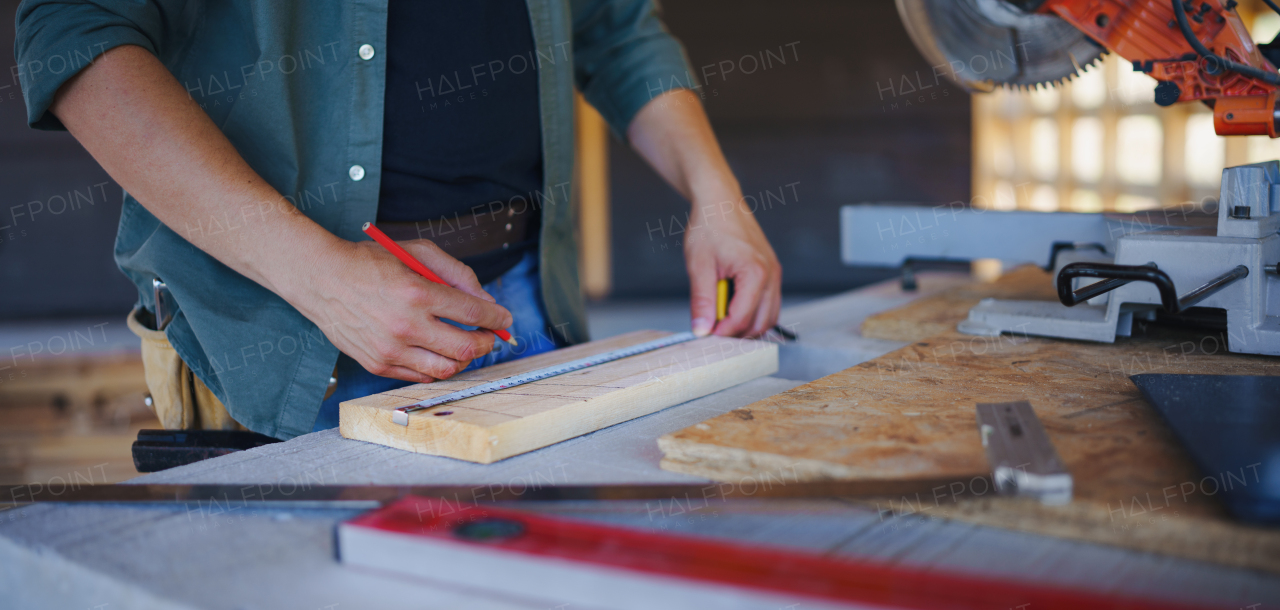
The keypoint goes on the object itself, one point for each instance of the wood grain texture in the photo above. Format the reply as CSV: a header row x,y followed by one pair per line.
x,y
72,417
939,314
509,422
911,413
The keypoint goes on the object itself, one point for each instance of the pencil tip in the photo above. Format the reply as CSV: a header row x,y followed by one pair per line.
x,y
512,341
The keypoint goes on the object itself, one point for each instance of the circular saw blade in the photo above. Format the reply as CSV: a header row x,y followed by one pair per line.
x,y
983,43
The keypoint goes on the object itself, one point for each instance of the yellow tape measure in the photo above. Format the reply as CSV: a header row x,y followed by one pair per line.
x,y
722,299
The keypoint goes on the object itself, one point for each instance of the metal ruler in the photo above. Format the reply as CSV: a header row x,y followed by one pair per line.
x,y
940,490
401,415
1023,460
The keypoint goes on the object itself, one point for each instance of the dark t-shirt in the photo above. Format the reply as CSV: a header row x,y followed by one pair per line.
x,y
461,124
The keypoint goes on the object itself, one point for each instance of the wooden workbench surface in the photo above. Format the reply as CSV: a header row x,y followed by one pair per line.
x,y
910,413
222,557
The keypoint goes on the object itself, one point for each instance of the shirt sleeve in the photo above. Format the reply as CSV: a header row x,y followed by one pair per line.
x,y
56,39
624,57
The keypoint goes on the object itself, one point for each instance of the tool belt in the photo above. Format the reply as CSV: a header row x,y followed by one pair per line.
x,y
478,231
180,400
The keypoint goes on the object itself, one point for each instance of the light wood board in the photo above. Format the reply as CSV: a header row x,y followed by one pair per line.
x,y
509,422
911,413
938,314
72,418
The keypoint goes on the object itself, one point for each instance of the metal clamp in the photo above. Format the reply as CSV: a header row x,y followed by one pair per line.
x,y
1115,276
1059,246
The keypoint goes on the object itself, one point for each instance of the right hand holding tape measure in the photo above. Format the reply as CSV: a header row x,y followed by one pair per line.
x,y
724,294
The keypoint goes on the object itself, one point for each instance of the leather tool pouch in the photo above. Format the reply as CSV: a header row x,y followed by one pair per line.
x,y
180,400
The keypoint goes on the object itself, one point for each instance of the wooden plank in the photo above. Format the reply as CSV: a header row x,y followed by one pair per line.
x,y
911,413
71,418
592,193
77,381
509,422
940,313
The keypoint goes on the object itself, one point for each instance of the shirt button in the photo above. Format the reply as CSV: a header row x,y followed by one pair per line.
x,y
356,172
366,52
508,226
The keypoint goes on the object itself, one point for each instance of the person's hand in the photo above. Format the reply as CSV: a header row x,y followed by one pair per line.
x,y
724,241
387,317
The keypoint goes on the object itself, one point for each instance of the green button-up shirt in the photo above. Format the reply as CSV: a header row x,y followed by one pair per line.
x,y
298,89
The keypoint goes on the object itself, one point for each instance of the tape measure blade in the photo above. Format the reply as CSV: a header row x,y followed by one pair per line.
x,y
401,415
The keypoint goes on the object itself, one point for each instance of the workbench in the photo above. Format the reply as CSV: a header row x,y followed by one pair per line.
x,y
111,556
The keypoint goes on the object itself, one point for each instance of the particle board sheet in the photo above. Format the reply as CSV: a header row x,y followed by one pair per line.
x,y
940,313
509,422
911,413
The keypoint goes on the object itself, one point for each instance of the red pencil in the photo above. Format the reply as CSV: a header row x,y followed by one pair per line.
x,y
422,270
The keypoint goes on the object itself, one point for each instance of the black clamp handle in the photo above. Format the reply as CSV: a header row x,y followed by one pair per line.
x,y
1115,276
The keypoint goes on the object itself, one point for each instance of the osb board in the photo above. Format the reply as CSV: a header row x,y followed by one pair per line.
x,y
940,313
509,422
911,413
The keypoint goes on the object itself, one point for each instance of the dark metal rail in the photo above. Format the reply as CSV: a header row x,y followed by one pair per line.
x,y
1115,276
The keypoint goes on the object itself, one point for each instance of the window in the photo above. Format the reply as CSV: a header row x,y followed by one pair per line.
x,y
1100,143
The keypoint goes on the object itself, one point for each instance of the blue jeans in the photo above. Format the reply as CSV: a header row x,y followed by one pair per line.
x,y
518,290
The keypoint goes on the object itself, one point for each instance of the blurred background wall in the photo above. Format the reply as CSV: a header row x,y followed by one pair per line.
x,y
58,215
834,125
806,96
818,103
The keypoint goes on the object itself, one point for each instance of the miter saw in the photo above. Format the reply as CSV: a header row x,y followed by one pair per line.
x,y
1231,267
1197,51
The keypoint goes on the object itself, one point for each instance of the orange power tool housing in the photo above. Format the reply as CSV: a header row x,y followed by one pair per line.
x,y
1147,33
